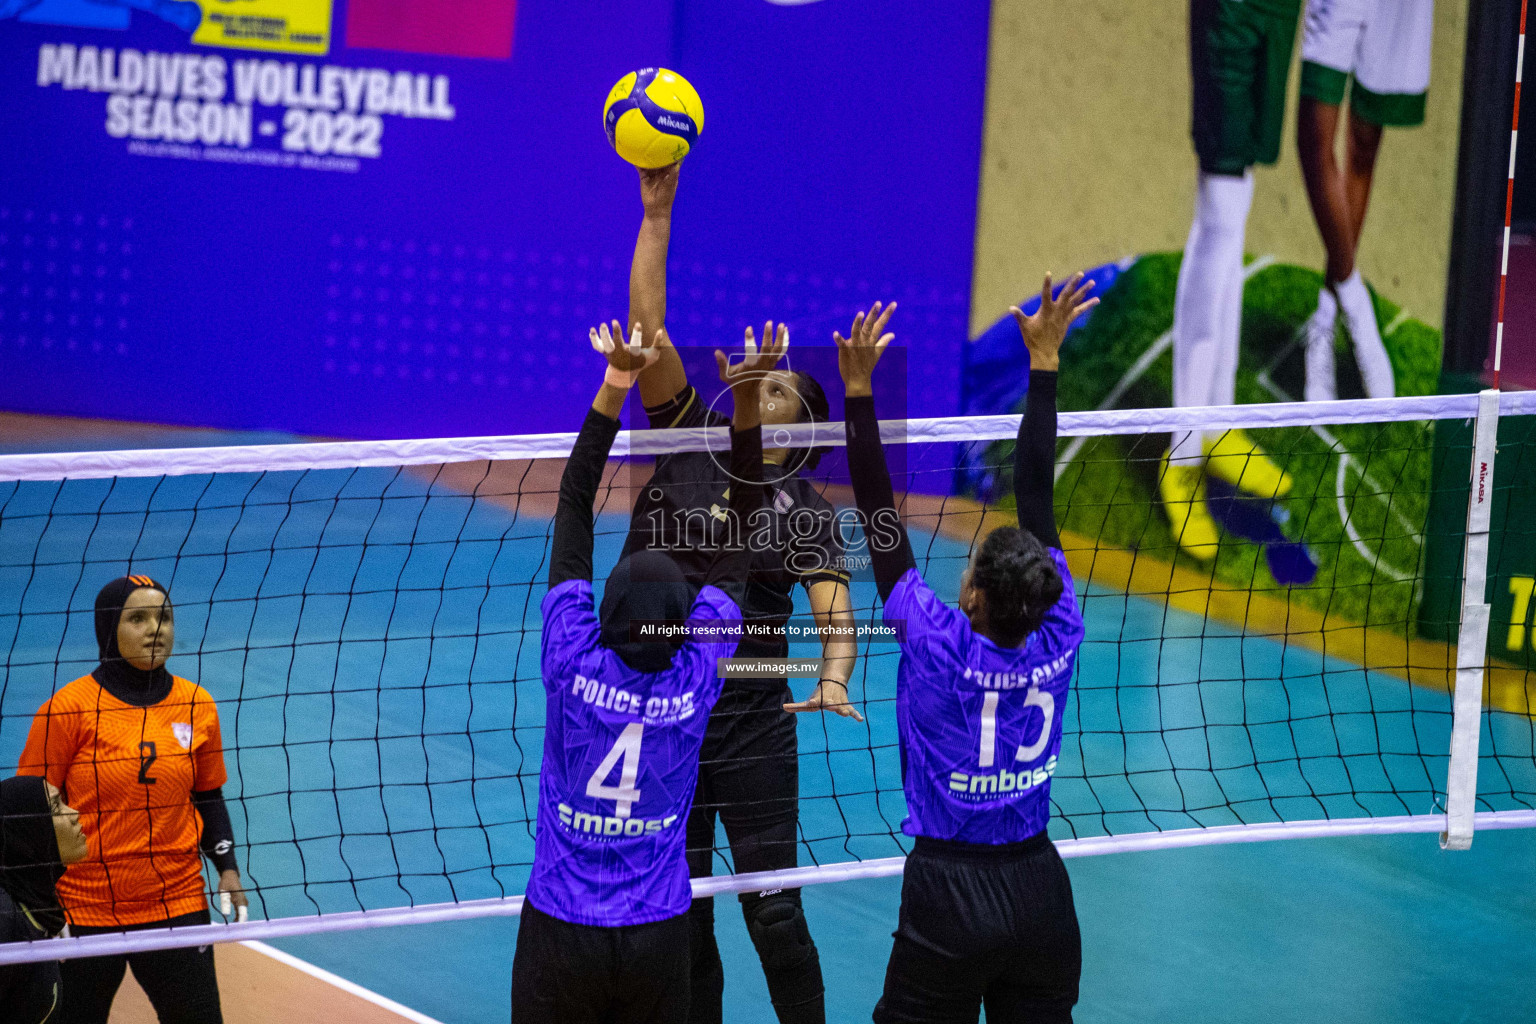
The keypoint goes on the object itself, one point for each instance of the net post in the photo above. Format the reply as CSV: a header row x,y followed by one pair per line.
x,y
1472,637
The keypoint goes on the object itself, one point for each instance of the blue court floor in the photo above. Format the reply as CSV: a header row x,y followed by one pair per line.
x,y
371,638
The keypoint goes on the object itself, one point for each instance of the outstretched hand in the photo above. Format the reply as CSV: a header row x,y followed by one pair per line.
x,y
1046,329
755,360
858,353
626,357
829,695
744,377
658,188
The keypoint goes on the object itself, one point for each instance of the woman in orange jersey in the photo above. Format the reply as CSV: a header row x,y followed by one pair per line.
x,y
137,751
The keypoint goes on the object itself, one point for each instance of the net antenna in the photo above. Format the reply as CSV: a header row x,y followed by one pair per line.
x,y
1509,196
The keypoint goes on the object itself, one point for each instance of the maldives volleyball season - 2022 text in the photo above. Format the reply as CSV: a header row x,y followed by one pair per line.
x,y
191,99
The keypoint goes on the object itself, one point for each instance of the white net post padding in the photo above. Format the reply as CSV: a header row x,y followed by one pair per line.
x,y
1472,637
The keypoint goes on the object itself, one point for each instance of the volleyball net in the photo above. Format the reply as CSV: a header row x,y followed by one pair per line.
x,y
366,617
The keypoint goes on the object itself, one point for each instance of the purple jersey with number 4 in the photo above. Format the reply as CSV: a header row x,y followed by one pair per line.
x,y
621,758
980,724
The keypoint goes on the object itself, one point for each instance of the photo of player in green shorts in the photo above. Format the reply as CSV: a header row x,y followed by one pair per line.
x,y
1240,60
1379,52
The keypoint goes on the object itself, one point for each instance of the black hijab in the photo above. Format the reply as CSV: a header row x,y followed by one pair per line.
x,y
128,684
647,585
29,850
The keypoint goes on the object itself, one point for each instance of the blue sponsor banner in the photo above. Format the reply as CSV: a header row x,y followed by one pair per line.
x,y
227,215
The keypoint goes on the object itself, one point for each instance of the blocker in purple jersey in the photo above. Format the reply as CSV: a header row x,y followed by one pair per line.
x,y
621,753
980,724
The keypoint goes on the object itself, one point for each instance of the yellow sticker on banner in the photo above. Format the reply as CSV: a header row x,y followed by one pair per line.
x,y
286,26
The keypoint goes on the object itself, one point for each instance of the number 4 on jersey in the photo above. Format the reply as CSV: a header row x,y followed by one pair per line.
x,y
624,795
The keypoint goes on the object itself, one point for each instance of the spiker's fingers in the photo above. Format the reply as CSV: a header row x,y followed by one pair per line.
x,y
606,337
636,340
241,914
750,344
597,346
226,905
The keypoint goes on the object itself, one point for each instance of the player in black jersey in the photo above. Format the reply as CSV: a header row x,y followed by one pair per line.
x,y
749,767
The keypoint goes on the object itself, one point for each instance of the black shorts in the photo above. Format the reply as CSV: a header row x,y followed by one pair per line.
x,y
993,924
749,778
1240,63
565,973
181,984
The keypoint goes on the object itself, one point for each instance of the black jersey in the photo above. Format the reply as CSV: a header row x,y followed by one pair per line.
x,y
682,510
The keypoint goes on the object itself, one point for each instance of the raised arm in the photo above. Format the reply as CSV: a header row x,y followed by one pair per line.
x,y
662,381
733,559
1034,456
571,551
890,551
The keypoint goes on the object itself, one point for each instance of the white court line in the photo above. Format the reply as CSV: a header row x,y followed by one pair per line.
x,y
1142,364
339,982
1396,322
1374,559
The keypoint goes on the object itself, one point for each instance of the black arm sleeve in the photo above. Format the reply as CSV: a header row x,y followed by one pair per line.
x,y
218,843
733,559
1034,460
571,552
890,551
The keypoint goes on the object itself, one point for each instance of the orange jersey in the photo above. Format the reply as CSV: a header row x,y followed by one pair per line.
x,y
130,772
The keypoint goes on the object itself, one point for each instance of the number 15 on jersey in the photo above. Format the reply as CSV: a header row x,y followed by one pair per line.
x,y
986,754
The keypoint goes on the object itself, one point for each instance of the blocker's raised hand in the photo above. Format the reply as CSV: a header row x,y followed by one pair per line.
x,y
626,357
755,361
1046,329
858,353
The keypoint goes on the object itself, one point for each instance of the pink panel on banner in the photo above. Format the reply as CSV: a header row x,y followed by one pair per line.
x,y
447,28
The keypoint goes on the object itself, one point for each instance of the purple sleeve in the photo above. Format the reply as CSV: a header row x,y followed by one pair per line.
x,y
570,629
717,623
1065,619
920,617
717,617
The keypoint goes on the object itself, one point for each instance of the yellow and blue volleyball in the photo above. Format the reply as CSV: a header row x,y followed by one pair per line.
x,y
653,117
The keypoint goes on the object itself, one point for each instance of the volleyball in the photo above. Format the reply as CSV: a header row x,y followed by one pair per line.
x,y
653,117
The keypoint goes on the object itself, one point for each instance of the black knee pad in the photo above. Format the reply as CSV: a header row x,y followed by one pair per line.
x,y
778,929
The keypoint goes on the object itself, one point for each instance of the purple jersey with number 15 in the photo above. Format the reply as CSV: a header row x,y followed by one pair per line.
x,y
621,758
980,724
